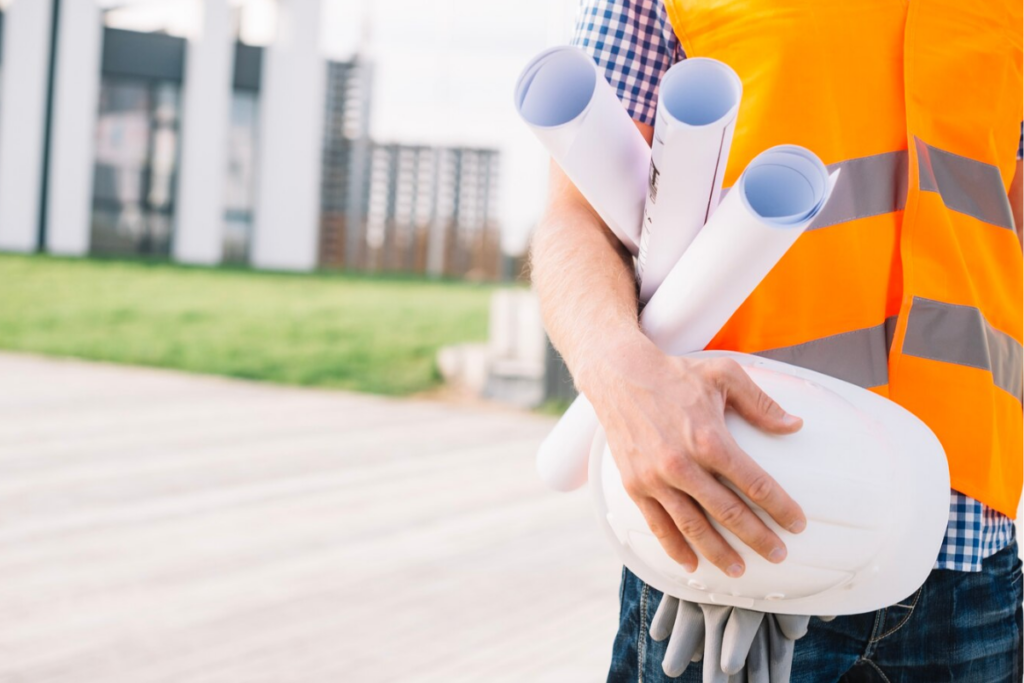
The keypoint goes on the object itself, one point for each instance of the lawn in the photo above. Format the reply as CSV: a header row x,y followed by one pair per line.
x,y
371,334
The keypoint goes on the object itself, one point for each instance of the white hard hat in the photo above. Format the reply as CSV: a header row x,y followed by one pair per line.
x,y
871,478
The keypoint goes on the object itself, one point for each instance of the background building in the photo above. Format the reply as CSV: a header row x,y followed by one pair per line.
x,y
399,207
230,131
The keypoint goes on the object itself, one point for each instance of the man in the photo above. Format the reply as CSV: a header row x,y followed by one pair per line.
x,y
915,295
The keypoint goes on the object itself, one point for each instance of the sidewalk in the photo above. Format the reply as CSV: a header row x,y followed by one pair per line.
x,y
162,527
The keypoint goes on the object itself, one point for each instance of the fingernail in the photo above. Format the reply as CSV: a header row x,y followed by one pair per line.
x,y
790,420
690,568
735,571
797,526
777,555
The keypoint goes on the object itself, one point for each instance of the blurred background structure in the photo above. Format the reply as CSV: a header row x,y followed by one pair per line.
x,y
285,134
333,195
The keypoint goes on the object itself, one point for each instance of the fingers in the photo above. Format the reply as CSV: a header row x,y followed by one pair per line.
x,y
664,617
733,513
780,652
793,626
687,635
827,619
757,660
755,406
740,631
677,478
715,619
689,519
761,488
665,529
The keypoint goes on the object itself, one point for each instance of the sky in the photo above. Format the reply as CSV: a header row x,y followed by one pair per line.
x,y
444,71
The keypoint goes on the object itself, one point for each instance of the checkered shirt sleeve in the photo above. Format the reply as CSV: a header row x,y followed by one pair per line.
x,y
633,42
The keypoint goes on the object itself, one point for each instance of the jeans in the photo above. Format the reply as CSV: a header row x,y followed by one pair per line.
x,y
959,627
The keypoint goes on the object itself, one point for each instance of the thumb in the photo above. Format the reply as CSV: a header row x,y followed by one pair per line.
x,y
755,406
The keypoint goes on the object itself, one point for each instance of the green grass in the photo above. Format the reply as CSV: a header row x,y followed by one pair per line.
x,y
363,333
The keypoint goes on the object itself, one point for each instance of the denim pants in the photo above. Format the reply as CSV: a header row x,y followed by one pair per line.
x,y
959,627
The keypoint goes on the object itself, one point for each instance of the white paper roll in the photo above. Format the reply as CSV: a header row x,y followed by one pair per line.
x,y
697,104
574,112
779,194
775,199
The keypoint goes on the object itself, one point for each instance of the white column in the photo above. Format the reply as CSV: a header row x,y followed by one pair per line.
x,y
26,56
199,221
291,133
75,101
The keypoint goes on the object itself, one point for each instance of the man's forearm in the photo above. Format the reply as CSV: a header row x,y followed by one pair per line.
x,y
586,283
664,417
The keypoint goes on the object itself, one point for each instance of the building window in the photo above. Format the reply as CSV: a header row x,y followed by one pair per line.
x,y
243,135
137,142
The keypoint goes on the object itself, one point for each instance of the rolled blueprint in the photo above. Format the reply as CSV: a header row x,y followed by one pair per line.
x,y
574,112
779,194
697,104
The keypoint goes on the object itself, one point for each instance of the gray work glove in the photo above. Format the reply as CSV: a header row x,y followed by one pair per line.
x,y
737,645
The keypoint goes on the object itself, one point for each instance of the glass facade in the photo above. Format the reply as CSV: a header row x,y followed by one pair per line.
x,y
137,142
240,185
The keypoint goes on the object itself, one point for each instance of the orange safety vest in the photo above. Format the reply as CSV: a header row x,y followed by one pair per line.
x,y
909,283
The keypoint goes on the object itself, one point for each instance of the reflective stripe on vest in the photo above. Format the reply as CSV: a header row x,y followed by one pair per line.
x,y
937,331
859,357
960,334
965,185
948,333
868,186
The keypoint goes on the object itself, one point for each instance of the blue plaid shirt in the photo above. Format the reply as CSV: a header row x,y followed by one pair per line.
x,y
633,41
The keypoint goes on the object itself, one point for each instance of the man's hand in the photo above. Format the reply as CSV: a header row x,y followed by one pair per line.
x,y
664,417
665,422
